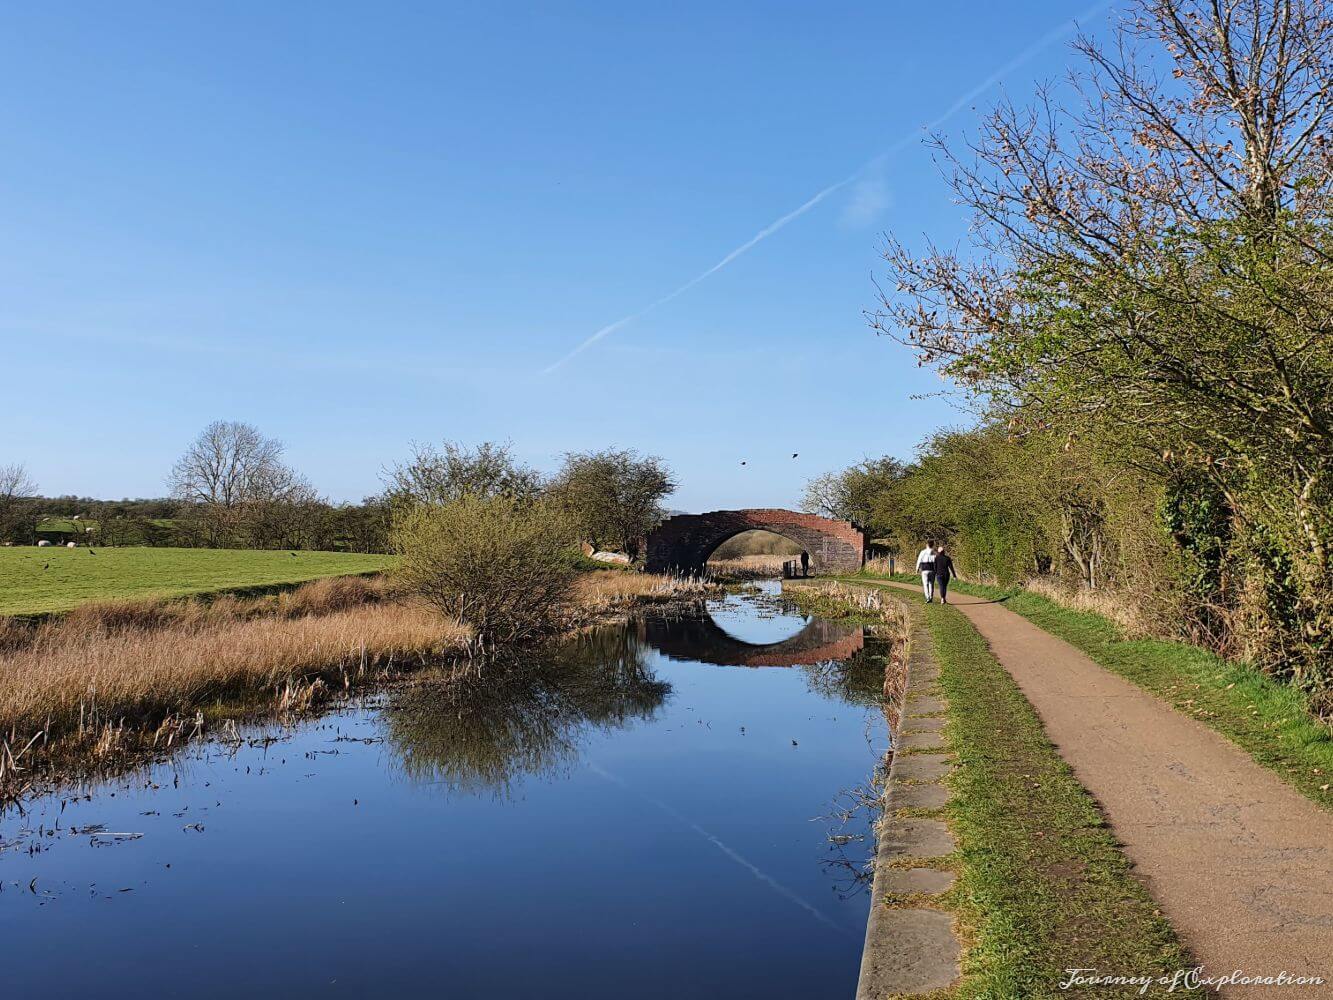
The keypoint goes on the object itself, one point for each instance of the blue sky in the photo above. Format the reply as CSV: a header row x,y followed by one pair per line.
x,y
358,225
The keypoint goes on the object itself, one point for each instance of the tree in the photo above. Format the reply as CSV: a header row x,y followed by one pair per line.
x,y
443,475
235,483
16,489
853,494
612,497
1150,268
494,563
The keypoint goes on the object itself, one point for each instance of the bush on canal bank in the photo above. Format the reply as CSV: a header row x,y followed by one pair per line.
x,y
501,566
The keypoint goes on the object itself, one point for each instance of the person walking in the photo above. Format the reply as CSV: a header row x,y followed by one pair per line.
x,y
944,572
805,563
925,565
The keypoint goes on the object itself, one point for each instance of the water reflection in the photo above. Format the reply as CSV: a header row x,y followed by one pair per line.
x,y
757,615
482,730
700,638
485,729
677,850
858,680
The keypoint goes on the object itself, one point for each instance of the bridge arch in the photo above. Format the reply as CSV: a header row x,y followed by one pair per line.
x,y
684,542
703,640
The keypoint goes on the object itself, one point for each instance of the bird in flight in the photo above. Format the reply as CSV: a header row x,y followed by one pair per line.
x,y
794,454
742,461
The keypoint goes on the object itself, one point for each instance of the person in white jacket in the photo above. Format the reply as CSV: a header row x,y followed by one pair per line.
x,y
925,565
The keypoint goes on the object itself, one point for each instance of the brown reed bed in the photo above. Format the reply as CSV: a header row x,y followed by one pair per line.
x,y
1110,604
613,590
748,567
111,680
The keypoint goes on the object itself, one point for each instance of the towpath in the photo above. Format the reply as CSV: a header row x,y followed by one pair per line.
x,y
1241,863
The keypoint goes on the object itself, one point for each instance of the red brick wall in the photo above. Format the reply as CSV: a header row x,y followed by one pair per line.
x,y
683,542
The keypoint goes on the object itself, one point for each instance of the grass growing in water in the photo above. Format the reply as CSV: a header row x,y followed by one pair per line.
x,y
1270,720
111,677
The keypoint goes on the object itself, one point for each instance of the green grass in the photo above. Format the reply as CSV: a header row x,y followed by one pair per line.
x,y
1042,885
75,575
1270,720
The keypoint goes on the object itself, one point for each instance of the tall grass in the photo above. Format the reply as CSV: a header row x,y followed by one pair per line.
x,y
74,678
114,675
1110,604
595,593
114,616
748,567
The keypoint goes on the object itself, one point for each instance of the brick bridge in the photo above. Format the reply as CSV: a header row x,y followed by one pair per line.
x,y
683,543
702,639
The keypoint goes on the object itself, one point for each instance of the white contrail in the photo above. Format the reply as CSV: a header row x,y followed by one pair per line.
x,y
762,876
1045,41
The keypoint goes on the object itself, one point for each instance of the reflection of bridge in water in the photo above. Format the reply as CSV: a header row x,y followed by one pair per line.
x,y
701,638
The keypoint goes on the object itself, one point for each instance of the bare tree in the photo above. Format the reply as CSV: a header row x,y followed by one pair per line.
x,y
16,488
234,479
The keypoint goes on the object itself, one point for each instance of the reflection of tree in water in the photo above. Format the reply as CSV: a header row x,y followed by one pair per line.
x,y
483,729
859,679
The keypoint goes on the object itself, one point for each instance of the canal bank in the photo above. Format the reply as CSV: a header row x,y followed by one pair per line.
x,y
1040,883
911,945
1236,858
701,825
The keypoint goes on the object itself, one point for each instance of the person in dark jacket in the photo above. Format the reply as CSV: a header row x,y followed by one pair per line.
x,y
944,571
805,563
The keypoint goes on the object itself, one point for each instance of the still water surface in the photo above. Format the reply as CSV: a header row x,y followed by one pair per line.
x,y
634,814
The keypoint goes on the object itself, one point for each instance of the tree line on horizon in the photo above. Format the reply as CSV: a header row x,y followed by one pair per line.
x,y
1143,318
231,488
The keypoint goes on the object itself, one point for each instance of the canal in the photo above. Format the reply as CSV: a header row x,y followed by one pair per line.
x,y
673,808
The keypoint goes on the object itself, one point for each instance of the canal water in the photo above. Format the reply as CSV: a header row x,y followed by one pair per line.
x,y
671,808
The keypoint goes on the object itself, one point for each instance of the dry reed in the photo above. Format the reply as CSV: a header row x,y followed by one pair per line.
x,y
66,679
107,670
604,591
749,567
1110,604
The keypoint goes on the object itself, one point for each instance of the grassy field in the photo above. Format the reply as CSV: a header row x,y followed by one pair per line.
x,y
41,580
1270,720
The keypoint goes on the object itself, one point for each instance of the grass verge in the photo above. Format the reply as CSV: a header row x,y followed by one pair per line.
x,y
1042,885
1270,720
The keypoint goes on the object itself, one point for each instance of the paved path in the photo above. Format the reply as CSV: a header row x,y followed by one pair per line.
x,y
1240,862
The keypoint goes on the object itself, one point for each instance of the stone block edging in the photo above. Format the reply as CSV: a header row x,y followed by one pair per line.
x,y
911,950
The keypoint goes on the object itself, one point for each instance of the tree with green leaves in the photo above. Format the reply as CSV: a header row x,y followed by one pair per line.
x,y
1150,279
854,494
496,563
612,497
454,470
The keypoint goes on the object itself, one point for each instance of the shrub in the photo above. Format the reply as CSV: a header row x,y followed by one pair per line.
x,y
499,565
